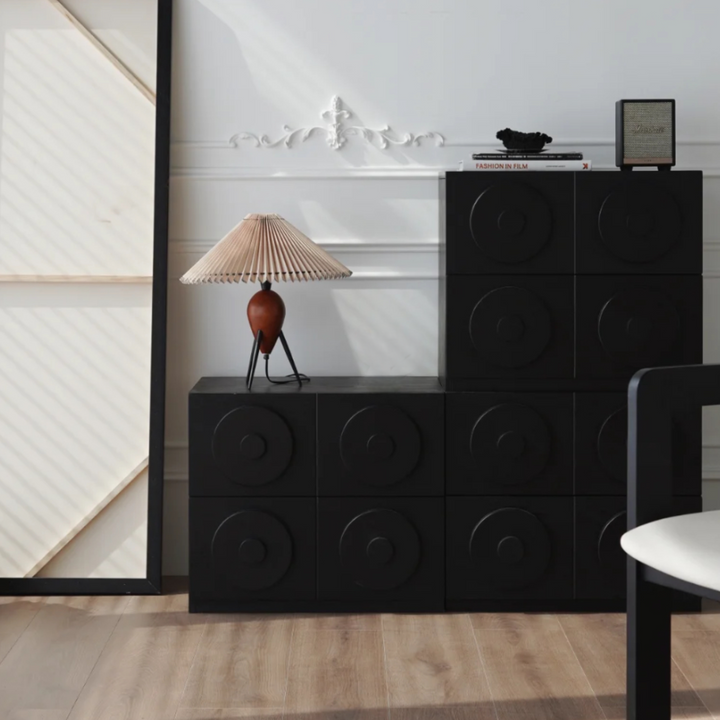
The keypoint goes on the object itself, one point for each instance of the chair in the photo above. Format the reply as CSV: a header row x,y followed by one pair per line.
x,y
664,553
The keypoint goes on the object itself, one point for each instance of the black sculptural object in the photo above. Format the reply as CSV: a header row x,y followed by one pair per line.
x,y
516,141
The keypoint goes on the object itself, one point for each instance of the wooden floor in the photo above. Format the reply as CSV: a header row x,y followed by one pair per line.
x,y
145,657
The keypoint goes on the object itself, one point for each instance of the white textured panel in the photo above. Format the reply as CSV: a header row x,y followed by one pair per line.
x,y
76,160
74,388
128,28
114,545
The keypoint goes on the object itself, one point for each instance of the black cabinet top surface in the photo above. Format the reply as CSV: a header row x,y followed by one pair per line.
x,y
319,385
510,173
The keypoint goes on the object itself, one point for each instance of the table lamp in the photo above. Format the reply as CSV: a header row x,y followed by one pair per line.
x,y
266,248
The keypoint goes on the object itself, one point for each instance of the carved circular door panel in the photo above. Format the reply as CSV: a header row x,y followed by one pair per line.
x,y
639,224
380,549
610,553
510,444
252,549
612,445
252,446
380,445
511,222
637,327
511,548
510,327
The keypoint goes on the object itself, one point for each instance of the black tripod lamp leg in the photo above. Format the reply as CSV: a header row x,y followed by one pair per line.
x,y
286,347
253,359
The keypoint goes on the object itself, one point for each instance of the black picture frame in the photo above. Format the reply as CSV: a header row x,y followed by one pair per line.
x,y
151,584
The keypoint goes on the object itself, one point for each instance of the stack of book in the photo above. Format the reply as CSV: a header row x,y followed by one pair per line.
x,y
572,161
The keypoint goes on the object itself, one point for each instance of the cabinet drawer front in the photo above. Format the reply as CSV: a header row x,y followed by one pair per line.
x,y
509,327
498,224
380,444
601,446
509,547
508,444
600,563
632,223
252,446
625,323
248,548
373,548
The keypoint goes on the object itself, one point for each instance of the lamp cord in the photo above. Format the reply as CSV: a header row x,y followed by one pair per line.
x,y
291,378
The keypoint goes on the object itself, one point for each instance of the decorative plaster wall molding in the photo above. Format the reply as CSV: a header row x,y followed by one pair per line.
x,y
337,131
478,143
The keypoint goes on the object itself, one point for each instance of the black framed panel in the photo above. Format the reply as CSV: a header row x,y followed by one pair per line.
x,y
152,582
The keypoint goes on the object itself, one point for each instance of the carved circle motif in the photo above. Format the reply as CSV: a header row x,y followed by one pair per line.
x,y
610,553
510,222
637,327
510,444
380,549
612,445
252,446
252,549
380,445
639,224
510,327
511,548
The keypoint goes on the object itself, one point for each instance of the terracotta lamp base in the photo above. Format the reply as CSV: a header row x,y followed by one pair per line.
x,y
266,315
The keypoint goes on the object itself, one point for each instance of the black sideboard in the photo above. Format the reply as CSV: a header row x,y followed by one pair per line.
x,y
504,487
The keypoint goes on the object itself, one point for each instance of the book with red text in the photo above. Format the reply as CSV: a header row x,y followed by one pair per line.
x,y
526,165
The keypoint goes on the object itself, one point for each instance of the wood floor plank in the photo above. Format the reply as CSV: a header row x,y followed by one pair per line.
x,y
599,641
229,714
697,653
15,615
144,667
241,662
339,622
434,669
337,674
533,672
43,673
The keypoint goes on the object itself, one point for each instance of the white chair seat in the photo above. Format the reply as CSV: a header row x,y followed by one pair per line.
x,y
686,547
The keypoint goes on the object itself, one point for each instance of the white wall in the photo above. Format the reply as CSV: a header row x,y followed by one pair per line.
x,y
456,67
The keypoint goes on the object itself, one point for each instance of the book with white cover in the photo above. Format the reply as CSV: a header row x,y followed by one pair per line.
x,y
526,165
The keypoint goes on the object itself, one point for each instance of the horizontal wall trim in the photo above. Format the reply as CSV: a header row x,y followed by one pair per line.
x,y
563,142
368,173
193,247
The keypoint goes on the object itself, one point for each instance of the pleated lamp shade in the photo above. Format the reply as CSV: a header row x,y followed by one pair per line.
x,y
265,248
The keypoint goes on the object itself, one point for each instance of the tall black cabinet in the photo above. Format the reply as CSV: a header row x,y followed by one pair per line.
x,y
555,289
503,486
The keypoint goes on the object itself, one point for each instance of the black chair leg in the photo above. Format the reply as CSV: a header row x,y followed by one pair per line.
x,y
648,648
